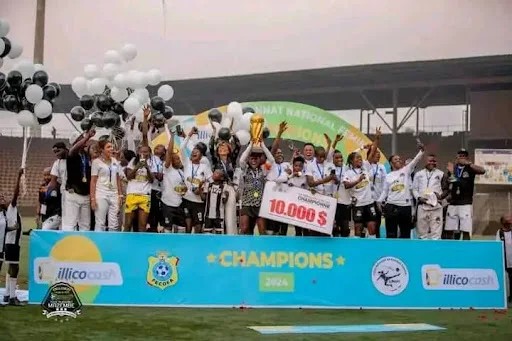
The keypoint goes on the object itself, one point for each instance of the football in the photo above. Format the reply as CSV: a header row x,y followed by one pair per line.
x,y
162,270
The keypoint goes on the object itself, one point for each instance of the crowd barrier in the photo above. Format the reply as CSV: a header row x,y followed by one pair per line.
x,y
145,269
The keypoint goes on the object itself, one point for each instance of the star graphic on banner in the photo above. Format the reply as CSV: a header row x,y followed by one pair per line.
x,y
211,258
340,261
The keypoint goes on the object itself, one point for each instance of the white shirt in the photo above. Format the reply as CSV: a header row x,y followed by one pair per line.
x,y
425,183
377,178
173,186
319,171
8,229
508,247
195,174
59,169
398,184
140,184
298,181
157,166
339,191
107,175
363,190
277,172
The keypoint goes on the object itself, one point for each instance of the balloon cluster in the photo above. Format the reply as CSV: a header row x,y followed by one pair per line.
x,y
25,90
113,93
237,119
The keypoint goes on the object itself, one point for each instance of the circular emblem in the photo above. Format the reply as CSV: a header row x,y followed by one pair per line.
x,y
162,271
390,276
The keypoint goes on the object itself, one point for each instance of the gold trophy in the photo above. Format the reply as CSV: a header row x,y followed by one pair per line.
x,y
256,130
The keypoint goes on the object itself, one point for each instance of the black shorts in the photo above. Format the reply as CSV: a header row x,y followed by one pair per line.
x,y
11,253
214,226
172,216
194,211
343,213
364,214
251,211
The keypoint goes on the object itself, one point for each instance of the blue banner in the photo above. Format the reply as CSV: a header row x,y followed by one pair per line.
x,y
226,271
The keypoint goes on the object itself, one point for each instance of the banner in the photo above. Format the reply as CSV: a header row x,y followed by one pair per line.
x,y
149,269
298,207
497,164
305,123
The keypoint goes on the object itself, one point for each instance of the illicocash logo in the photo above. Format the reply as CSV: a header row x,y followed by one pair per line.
x,y
436,278
390,276
77,260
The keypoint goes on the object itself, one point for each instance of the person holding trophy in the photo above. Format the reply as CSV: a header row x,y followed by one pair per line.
x,y
253,180
459,216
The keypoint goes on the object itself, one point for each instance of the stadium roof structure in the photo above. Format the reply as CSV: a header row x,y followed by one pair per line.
x,y
416,84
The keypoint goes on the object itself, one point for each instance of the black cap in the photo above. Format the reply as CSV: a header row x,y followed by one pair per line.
x,y
463,152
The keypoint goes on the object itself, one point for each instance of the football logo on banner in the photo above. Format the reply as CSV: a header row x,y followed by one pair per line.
x,y
162,270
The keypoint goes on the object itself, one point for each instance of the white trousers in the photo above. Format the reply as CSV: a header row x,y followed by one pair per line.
x,y
107,207
459,218
51,223
430,223
230,211
76,211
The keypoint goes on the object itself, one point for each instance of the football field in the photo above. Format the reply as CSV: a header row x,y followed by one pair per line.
x,y
108,323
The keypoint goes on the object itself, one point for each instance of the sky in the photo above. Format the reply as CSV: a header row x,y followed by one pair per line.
x,y
203,38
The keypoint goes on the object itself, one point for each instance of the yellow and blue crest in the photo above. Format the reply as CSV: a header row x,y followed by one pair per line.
x,y
162,270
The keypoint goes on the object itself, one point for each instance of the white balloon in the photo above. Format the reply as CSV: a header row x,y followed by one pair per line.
x,y
226,121
131,105
26,68
79,86
141,94
166,92
113,56
43,109
16,50
4,28
2,46
217,128
155,76
234,109
1,62
139,115
98,85
120,81
141,80
91,71
26,119
34,93
110,70
129,52
131,78
118,94
243,136
245,122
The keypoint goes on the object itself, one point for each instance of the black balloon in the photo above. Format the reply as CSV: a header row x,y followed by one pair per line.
x,y
25,104
40,78
118,108
97,119
77,113
109,119
9,90
248,109
87,102
45,120
24,86
265,133
125,116
168,112
215,115
7,49
118,132
158,103
86,124
49,92
3,81
158,120
118,121
224,134
14,78
11,103
103,103
57,87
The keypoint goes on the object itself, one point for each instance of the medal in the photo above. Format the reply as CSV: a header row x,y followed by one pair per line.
x,y
256,194
84,179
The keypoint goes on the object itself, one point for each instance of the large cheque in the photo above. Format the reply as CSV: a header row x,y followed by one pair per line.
x,y
298,207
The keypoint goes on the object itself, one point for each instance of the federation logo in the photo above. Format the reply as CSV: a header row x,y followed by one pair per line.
x,y
61,301
390,276
162,270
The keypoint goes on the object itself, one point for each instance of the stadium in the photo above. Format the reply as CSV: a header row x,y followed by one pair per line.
x,y
190,170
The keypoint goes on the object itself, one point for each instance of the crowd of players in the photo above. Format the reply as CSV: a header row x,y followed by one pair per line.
x,y
93,186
